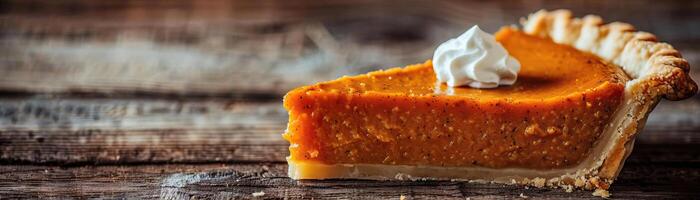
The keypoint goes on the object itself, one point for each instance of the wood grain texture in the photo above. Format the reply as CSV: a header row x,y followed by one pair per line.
x,y
643,177
111,130
226,47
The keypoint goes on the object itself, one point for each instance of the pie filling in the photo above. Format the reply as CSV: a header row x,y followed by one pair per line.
x,y
550,118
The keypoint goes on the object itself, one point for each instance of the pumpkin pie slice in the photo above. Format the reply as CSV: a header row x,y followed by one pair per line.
x,y
582,95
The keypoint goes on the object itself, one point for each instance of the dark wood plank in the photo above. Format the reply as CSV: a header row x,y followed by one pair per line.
x,y
113,130
226,47
661,176
203,54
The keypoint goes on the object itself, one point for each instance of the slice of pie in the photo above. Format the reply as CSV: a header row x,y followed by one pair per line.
x,y
583,93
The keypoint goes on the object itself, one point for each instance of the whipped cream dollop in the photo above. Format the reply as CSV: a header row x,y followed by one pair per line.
x,y
475,59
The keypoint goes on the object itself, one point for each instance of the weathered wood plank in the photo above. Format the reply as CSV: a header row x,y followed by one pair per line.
x,y
260,48
40,112
111,130
197,55
643,177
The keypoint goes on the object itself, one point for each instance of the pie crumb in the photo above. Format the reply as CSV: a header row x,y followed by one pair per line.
x,y
580,182
538,182
523,196
568,188
601,193
258,194
402,177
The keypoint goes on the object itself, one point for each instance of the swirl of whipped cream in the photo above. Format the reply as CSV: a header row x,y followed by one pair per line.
x,y
475,59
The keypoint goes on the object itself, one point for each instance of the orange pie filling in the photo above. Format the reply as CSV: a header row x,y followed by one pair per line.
x,y
550,118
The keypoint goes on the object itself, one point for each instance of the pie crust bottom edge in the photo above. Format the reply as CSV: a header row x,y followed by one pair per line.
x,y
564,178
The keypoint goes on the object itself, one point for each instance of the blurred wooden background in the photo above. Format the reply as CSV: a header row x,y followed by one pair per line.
x,y
182,99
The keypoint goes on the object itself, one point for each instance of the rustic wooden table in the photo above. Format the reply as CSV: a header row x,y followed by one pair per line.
x,y
182,100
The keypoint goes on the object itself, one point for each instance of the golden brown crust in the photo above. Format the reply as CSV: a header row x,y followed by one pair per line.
x,y
656,66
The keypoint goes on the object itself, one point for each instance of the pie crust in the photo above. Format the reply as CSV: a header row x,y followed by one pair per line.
x,y
655,70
